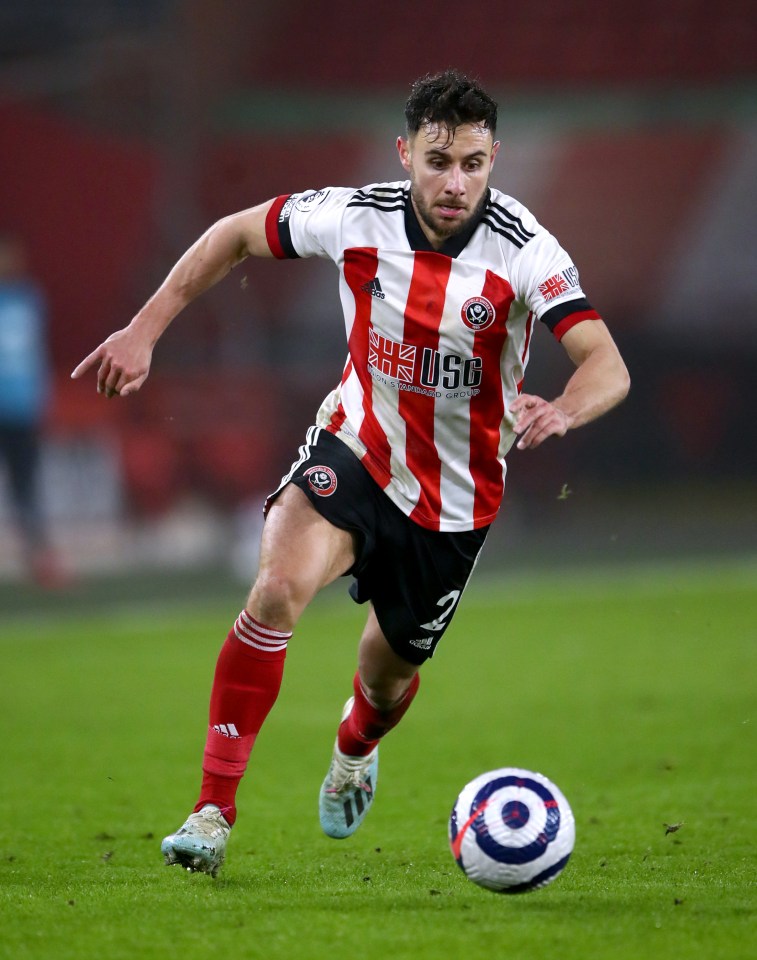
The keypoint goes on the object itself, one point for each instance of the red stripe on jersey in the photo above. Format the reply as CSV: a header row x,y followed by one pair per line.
x,y
272,227
488,408
570,321
423,314
529,329
360,267
337,419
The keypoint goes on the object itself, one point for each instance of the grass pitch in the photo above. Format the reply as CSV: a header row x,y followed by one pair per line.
x,y
633,690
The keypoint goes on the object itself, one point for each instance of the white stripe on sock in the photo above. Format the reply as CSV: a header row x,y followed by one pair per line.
x,y
249,631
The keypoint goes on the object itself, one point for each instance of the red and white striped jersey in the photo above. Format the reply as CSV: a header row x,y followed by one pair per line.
x,y
438,339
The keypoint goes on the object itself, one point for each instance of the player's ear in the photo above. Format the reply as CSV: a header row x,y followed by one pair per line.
x,y
403,148
495,150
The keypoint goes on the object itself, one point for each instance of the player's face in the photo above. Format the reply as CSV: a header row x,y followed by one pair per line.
x,y
448,177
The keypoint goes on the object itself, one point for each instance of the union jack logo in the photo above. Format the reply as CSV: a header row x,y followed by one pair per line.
x,y
395,360
554,287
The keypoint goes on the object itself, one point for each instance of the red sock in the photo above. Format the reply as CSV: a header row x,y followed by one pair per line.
x,y
245,687
366,725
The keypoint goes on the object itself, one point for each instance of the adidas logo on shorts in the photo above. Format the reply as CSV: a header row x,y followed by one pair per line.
x,y
423,643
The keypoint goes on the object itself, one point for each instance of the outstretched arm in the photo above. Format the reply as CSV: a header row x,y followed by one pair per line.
x,y
124,358
600,382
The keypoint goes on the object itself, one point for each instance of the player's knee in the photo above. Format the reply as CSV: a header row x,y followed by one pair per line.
x,y
385,693
382,699
277,600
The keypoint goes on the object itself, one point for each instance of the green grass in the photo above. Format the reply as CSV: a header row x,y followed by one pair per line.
x,y
634,690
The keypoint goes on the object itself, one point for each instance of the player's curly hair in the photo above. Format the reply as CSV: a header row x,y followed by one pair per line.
x,y
449,99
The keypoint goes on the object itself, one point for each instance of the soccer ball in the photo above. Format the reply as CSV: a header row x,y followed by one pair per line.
x,y
511,830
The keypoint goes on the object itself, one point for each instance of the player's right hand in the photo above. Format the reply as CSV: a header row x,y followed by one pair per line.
x,y
124,363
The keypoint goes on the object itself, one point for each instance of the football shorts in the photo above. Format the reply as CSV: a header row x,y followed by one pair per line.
x,y
414,577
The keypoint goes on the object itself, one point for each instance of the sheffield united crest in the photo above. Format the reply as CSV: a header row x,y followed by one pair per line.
x,y
322,480
477,313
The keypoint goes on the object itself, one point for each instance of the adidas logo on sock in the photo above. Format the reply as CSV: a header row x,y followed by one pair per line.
x,y
374,288
227,730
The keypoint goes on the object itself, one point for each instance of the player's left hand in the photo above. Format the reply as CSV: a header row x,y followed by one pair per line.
x,y
536,419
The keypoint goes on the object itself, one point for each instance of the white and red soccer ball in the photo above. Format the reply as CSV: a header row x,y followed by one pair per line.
x,y
511,830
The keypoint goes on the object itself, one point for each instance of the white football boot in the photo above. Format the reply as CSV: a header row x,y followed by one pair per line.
x,y
348,790
200,844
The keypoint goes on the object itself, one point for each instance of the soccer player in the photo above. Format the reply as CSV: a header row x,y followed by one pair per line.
x,y
25,387
441,281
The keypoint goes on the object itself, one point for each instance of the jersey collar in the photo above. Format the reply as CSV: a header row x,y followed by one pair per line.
x,y
451,247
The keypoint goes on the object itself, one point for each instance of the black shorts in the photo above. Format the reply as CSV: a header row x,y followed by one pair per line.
x,y
413,576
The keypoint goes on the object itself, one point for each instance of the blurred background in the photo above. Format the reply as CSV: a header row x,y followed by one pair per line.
x,y
129,126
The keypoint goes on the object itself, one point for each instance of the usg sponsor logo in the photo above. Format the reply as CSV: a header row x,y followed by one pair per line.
x,y
562,282
449,371
393,359
397,364
478,313
322,480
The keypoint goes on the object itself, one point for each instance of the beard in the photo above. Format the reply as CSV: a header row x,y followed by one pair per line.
x,y
441,228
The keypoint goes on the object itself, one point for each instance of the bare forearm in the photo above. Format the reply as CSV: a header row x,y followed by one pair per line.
x,y
123,360
599,382
206,262
597,385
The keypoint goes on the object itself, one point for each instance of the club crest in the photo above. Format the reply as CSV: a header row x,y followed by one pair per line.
x,y
322,480
477,313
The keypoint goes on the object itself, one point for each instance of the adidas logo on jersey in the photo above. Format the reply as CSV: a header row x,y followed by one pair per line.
x,y
374,288
227,730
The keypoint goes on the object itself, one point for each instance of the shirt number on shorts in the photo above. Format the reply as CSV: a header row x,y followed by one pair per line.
x,y
440,623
